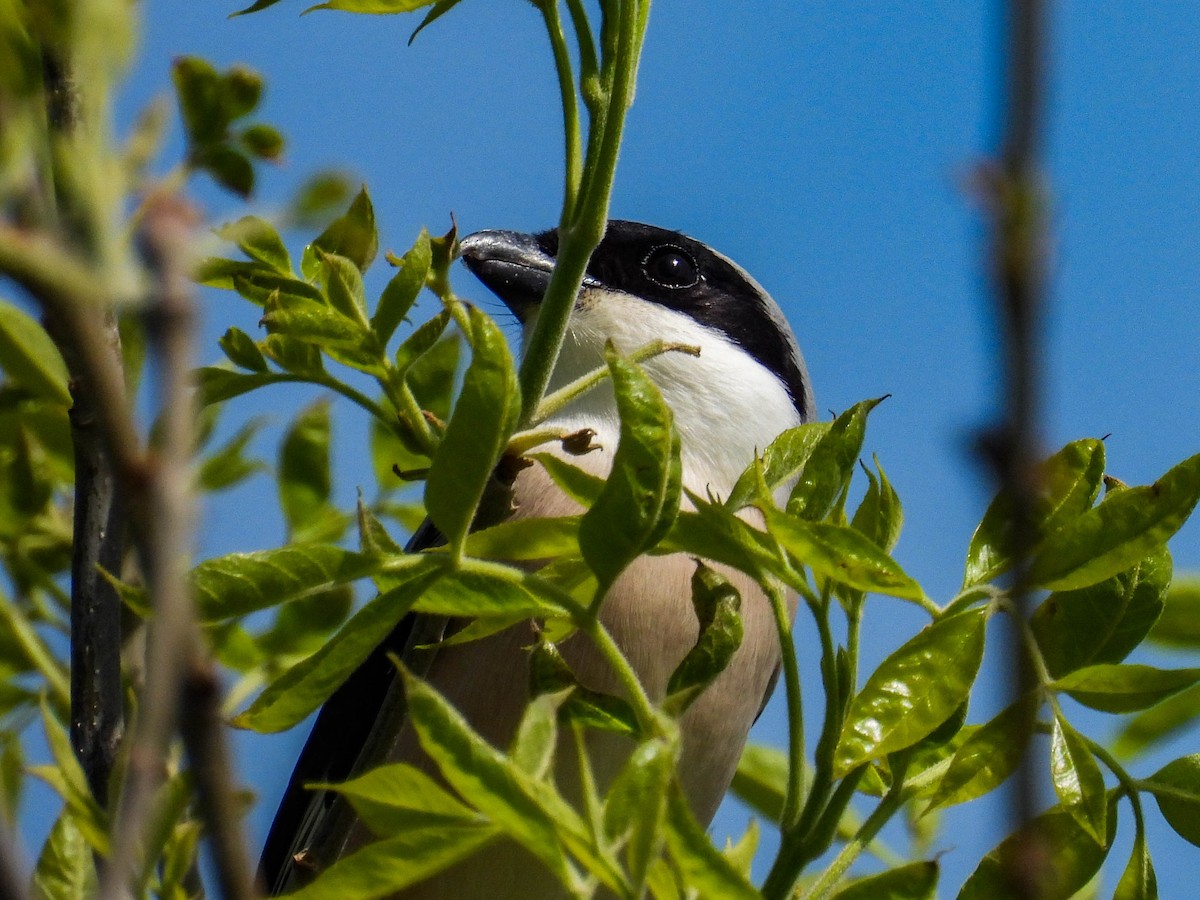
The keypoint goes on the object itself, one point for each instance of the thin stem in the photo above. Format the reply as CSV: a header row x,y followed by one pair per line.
x,y
570,104
795,705
882,813
589,66
822,783
555,401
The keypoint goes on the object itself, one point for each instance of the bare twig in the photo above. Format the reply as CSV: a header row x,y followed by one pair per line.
x,y
1017,262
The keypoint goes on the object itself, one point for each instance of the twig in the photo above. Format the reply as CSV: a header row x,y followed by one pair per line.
x,y
1017,250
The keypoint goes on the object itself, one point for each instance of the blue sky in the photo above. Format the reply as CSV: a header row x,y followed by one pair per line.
x,y
825,146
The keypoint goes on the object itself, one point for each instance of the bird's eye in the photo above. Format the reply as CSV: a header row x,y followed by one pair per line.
x,y
671,267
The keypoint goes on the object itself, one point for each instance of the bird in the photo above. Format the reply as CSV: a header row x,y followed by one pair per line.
x,y
748,384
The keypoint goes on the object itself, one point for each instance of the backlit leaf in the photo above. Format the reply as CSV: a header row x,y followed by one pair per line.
x,y
1124,688
1176,787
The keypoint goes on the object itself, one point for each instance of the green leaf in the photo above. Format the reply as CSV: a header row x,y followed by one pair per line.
x,y
323,326
305,686
719,535
704,869
469,592
717,604
241,350
30,357
1072,858
258,286
761,780
439,9
915,881
351,235
549,673
913,691
304,477
1124,529
423,339
344,287
228,465
1068,484
484,776
484,418
67,778
641,497
1176,787
385,867
259,240
393,799
373,7
199,91
536,740
216,385
582,487
1103,622
782,461
841,554
229,168
988,756
1179,624
880,515
1159,722
1124,688
831,463
66,869
241,89
1077,779
12,778
636,805
263,141
240,583
526,539
303,625
1138,881
294,356
402,291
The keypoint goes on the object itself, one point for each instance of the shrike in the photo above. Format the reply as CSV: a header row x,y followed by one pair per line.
x,y
747,385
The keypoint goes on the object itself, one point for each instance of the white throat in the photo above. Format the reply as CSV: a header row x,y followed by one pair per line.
x,y
727,405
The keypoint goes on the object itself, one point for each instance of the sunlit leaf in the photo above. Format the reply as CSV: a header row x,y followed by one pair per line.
x,y
1176,787
1159,723
1138,881
1124,529
913,691
351,235
259,240
393,799
1124,688
241,350
828,468
704,868
66,869
717,604
781,461
401,292
636,805
1179,624
29,357
641,497
1077,779
761,780
915,881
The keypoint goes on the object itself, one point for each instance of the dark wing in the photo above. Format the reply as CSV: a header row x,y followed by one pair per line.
x,y
335,744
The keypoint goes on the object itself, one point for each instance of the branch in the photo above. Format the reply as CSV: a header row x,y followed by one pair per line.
x,y
1017,245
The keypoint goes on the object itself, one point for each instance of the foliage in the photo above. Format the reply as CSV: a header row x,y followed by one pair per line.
x,y
284,623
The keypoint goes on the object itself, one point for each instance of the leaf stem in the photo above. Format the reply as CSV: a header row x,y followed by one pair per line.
x,y
795,704
570,105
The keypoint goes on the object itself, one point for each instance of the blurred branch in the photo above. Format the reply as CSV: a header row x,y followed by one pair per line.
x,y
1016,202
97,719
13,882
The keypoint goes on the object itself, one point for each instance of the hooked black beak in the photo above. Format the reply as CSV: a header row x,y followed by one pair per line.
x,y
511,265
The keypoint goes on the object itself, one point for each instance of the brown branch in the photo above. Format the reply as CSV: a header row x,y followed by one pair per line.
x,y
1018,241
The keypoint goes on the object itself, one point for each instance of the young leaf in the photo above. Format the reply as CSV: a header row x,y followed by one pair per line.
x,y
324,326
1159,722
1124,688
216,385
704,869
383,868
880,515
66,868
30,357
915,881
228,465
304,478
351,235
1176,787
241,350
1115,535
582,487
305,686
636,805
526,539
484,776
536,739
717,604
259,240
1138,881
782,461
397,798
988,756
1179,624
259,285
1101,623
1077,779
402,291
344,287
831,463
641,497
226,587
913,691
1072,855
484,418
423,339
841,554
199,91
67,778
1068,483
